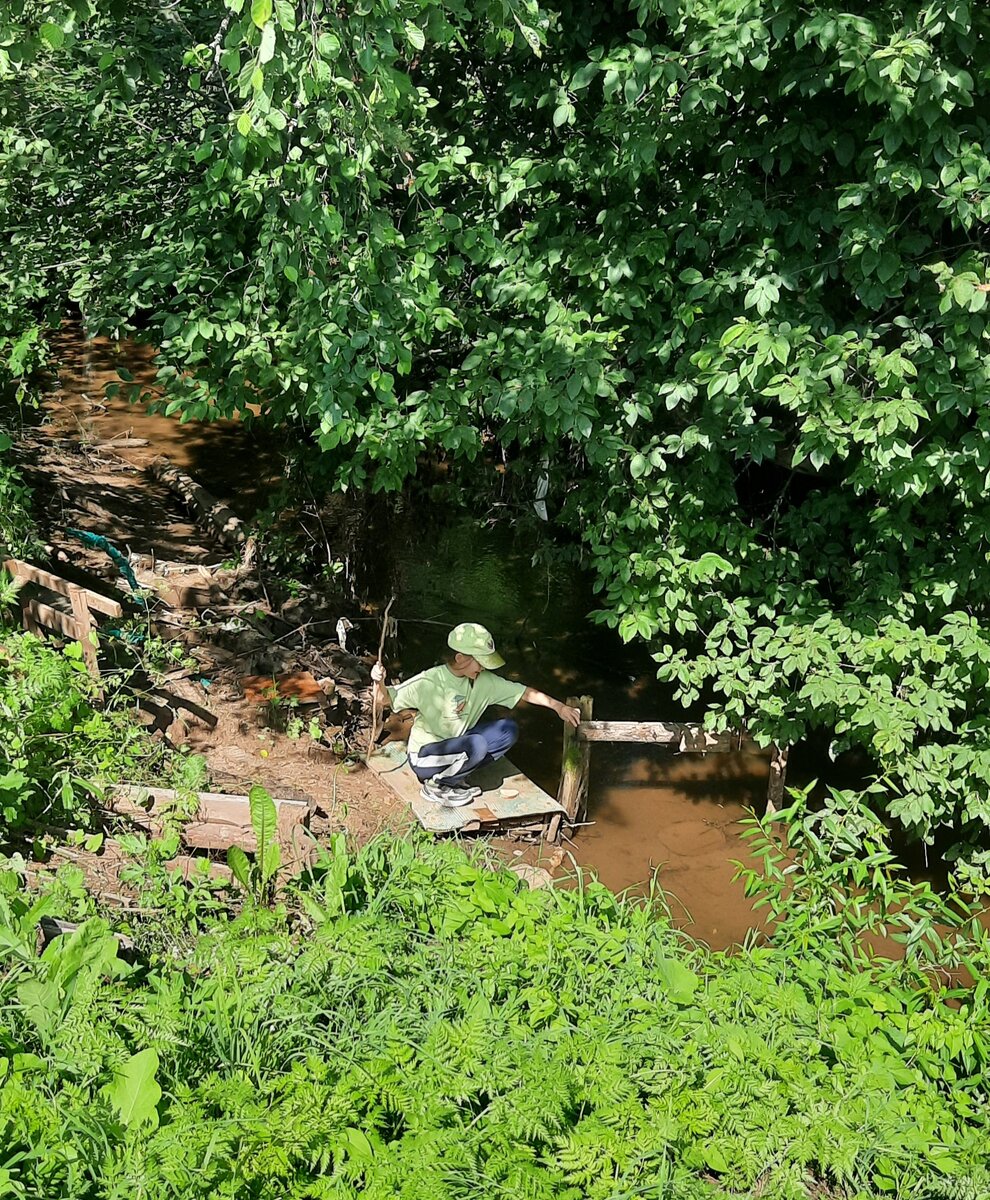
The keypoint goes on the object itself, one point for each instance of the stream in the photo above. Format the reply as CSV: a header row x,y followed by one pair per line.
x,y
649,810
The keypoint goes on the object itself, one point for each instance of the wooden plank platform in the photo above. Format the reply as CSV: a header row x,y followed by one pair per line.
x,y
221,820
492,810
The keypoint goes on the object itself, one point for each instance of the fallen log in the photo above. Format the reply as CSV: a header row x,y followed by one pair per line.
x,y
122,443
227,526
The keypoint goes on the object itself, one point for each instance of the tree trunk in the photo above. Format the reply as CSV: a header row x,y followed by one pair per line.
x,y
778,775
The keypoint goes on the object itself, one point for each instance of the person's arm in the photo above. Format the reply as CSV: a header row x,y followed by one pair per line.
x,y
571,715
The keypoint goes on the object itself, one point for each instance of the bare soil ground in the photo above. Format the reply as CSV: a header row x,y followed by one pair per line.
x,y
228,628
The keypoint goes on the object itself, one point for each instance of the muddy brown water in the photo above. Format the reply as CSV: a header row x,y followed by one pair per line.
x,y
677,818
229,457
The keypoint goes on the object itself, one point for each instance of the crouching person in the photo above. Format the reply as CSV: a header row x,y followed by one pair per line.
x,y
449,740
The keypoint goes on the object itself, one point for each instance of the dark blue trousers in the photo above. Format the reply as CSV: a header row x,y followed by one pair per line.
x,y
450,762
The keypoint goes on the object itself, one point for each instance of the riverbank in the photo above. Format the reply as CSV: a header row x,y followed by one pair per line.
x,y
647,811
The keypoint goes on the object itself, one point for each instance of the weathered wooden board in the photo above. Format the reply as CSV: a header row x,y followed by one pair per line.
x,y
686,738
491,810
55,583
221,820
46,617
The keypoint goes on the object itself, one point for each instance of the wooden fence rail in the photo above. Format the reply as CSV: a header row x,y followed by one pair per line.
x,y
685,738
75,625
678,736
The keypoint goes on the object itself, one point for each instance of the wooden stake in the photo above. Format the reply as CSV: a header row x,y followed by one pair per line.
x,y
572,795
84,623
375,714
778,774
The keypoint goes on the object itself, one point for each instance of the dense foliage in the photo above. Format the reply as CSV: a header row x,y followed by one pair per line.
x,y
18,531
61,743
720,265
422,1028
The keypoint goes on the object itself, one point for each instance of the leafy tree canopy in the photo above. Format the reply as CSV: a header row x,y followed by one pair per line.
x,y
723,263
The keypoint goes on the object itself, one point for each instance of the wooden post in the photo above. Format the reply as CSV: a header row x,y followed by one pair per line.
x,y
84,623
778,774
572,794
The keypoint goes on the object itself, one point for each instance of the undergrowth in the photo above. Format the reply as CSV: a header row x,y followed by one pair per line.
x,y
408,1024
62,742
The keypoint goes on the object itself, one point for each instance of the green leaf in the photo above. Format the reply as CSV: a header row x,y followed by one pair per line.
x,y
264,820
328,45
638,466
584,75
238,862
266,51
52,34
244,124
680,982
709,566
261,12
134,1092
415,36
889,265
285,11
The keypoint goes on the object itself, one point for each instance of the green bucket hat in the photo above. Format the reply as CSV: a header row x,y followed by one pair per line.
x,y
471,638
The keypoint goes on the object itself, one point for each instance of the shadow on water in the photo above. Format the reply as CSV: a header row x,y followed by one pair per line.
x,y
230,458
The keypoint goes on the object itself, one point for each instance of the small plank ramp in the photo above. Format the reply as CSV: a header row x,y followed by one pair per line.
x,y
492,810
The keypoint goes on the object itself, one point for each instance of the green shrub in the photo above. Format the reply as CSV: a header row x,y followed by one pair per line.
x,y
57,748
18,532
417,1027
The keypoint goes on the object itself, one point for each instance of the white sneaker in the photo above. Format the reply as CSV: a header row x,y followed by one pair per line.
x,y
449,797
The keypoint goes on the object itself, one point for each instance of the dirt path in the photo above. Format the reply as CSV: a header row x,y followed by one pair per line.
x,y
88,463
223,625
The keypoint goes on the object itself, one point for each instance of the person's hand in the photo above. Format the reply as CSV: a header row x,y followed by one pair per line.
x,y
571,715
378,674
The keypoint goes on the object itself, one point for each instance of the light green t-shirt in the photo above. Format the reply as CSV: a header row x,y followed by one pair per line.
x,y
448,705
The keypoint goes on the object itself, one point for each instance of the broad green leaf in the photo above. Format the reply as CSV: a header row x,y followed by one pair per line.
x,y
638,466
52,34
238,862
261,12
679,981
285,11
266,49
134,1092
265,823
415,36
709,566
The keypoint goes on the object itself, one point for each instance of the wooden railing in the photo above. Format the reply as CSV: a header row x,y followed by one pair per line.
x,y
78,624
680,737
